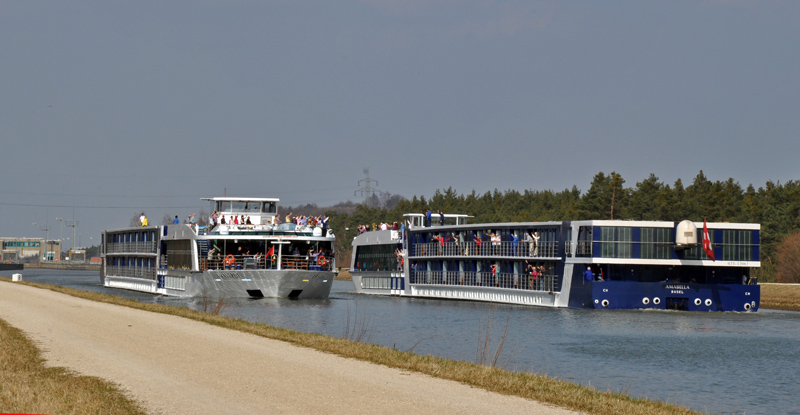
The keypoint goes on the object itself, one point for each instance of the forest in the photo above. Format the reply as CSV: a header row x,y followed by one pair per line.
x,y
775,206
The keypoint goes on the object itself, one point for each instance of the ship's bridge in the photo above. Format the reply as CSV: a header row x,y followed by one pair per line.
x,y
260,211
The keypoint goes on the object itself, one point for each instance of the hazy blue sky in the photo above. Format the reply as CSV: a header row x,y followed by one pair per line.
x,y
121,106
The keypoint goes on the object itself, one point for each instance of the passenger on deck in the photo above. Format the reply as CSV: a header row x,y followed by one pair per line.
x,y
588,275
478,242
458,240
536,244
176,221
222,220
441,218
493,269
495,238
428,218
395,226
247,221
141,219
514,243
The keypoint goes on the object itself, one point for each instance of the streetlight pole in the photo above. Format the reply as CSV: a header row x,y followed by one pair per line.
x,y
46,229
61,239
73,224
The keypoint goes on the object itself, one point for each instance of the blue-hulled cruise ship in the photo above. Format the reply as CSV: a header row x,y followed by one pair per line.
x,y
606,264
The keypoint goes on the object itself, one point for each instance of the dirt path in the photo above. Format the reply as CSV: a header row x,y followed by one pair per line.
x,y
180,366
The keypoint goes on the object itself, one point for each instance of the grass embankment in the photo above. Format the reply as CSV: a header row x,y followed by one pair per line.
x,y
28,386
526,385
780,296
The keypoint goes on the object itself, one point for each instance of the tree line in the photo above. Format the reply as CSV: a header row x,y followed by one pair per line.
x,y
775,206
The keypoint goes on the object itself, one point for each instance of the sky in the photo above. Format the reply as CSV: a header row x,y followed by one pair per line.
x,y
111,108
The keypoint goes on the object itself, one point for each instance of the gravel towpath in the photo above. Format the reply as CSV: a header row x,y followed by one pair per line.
x,y
180,366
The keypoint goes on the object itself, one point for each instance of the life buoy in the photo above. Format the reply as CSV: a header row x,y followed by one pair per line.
x,y
229,260
323,261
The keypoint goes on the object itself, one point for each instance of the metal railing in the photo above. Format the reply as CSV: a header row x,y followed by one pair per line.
x,y
131,247
546,282
486,248
303,262
133,272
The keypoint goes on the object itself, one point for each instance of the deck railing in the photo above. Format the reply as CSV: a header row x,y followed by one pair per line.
x,y
131,247
486,248
237,262
547,282
132,272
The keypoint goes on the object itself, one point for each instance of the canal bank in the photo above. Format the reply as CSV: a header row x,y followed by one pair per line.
x,y
226,371
66,266
695,359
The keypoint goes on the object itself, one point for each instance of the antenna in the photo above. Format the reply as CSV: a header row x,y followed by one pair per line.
x,y
367,190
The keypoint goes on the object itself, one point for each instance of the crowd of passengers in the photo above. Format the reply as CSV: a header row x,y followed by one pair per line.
x,y
320,221
314,258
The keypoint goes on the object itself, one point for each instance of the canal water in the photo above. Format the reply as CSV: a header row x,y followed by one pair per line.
x,y
723,363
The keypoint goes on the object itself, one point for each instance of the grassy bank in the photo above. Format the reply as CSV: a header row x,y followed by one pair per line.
x,y
525,385
28,386
780,296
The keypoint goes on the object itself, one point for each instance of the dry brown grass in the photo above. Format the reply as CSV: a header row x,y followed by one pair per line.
x,y
526,385
780,296
344,275
28,386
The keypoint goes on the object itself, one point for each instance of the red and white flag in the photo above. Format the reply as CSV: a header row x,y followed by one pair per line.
x,y
707,241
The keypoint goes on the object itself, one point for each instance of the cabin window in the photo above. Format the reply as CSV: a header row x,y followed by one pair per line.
x,y
615,242
737,245
239,207
655,243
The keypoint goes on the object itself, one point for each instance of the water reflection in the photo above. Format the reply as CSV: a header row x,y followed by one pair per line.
x,y
722,363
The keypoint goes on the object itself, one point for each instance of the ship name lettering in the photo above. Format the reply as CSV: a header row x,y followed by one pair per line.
x,y
230,275
676,287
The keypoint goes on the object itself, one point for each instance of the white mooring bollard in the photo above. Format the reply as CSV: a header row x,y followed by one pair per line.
x,y
16,277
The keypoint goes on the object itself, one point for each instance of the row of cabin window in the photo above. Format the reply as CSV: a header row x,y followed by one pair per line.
x,y
656,243
144,236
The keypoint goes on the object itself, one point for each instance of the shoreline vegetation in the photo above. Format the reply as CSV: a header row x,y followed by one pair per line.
x,y
780,296
29,386
526,385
